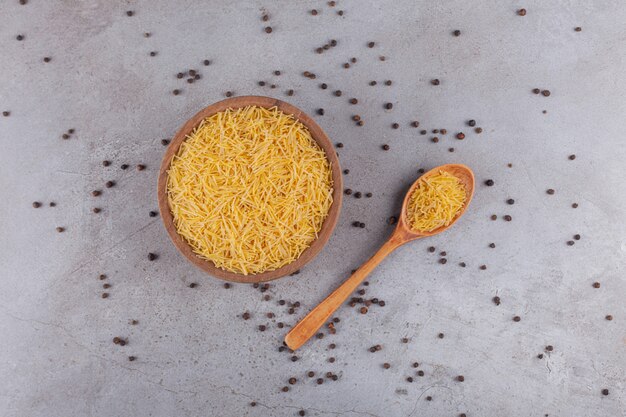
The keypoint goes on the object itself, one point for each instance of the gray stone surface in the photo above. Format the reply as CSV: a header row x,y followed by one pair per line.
x,y
195,356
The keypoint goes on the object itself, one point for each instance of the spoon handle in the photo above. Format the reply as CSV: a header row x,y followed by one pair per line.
x,y
318,316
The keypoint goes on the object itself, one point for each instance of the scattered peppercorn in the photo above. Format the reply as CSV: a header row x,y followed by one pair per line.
x,y
609,317
388,106
545,93
489,183
596,285
517,318
385,147
152,256
496,300
521,12
460,136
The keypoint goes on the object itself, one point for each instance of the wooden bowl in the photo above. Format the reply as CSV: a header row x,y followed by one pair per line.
x,y
327,228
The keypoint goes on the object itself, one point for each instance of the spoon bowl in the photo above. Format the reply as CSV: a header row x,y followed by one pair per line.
x,y
402,234
460,171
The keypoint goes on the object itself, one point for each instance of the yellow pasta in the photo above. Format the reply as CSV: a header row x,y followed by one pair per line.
x,y
435,202
249,189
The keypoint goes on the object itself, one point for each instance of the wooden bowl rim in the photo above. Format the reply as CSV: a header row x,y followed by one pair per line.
x,y
317,133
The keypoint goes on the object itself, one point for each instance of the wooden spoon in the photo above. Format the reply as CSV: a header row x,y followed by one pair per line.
x,y
401,235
